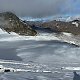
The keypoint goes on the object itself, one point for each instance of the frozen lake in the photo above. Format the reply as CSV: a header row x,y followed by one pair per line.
x,y
40,57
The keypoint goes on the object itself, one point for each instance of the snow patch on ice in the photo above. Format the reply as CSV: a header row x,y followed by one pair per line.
x,y
66,34
71,68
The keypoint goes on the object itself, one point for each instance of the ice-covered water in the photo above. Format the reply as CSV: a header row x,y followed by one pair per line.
x,y
42,57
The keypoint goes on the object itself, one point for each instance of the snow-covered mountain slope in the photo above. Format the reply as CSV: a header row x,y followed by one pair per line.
x,y
65,18
63,37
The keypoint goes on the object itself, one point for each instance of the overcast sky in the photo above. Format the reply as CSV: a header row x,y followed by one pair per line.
x,y
40,8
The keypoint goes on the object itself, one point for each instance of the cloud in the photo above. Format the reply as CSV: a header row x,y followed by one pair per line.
x,y
39,8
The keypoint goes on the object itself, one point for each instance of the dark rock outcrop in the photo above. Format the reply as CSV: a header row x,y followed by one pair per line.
x,y
76,76
7,70
11,23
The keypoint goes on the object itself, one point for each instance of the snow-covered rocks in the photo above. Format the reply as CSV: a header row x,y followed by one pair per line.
x,y
75,23
5,69
9,66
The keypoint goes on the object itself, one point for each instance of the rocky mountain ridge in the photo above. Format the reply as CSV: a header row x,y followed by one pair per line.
x,y
59,26
11,23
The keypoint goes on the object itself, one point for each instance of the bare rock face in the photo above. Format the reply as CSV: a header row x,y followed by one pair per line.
x,y
60,26
11,23
70,27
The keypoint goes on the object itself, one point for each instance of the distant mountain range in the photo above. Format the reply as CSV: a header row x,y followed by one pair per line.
x,y
11,23
67,31
65,18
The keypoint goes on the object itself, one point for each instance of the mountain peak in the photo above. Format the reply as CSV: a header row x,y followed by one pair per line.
x,y
11,23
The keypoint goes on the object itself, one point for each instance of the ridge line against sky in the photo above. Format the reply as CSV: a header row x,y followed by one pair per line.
x,y
40,8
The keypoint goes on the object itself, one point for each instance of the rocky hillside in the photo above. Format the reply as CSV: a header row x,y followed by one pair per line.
x,y
11,23
60,26
70,27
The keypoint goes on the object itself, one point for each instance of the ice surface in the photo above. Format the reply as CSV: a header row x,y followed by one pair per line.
x,y
43,57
